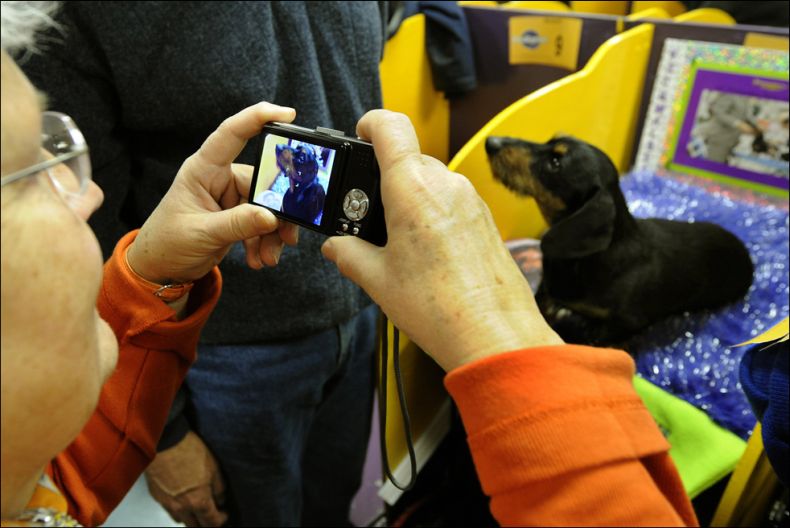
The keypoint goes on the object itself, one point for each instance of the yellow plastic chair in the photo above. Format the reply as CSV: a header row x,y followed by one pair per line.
x,y
706,15
599,104
537,6
407,87
671,7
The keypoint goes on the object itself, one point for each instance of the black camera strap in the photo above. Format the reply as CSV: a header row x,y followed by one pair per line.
x,y
384,359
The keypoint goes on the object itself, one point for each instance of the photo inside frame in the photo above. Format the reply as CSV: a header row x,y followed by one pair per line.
x,y
734,127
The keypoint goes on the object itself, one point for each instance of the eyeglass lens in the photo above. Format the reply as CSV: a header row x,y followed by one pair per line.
x,y
60,137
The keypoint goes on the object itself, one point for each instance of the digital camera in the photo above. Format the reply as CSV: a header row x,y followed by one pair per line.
x,y
320,179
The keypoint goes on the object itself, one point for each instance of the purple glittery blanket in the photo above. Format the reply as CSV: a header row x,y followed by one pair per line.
x,y
690,355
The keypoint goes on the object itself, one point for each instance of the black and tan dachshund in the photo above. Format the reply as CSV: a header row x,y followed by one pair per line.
x,y
305,197
606,274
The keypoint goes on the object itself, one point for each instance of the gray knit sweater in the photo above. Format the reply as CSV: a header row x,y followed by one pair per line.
x,y
147,82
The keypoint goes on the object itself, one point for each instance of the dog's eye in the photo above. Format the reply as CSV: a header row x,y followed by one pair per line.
x,y
554,162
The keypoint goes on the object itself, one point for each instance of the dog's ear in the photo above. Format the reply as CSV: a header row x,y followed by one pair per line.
x,y
587,231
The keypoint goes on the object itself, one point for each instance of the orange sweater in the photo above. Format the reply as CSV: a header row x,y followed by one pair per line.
x,y
560,437
557,433
119,441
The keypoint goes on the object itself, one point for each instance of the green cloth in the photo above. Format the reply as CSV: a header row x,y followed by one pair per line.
x,y
703,452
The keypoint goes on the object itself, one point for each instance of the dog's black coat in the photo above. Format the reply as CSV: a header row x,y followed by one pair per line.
x,y
305,198
607,275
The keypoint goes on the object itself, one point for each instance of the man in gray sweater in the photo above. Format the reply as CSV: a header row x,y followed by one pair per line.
x,y
281,393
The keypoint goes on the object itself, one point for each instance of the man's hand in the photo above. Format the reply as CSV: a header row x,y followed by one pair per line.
x,y
186,481
206,209
445,278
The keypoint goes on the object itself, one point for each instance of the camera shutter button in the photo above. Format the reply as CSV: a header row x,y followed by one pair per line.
x,y
355,204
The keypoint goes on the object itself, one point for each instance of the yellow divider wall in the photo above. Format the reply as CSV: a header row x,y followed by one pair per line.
x,y
423,385
538,6
612,77
653,12
601,8
706,15
407,87
672,8
598,104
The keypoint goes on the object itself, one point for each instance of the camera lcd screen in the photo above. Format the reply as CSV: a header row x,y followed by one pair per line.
x,y
293,178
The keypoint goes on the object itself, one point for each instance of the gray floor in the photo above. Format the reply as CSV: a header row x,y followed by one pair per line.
x,y
140,509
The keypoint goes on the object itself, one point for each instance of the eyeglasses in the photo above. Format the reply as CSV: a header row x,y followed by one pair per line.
x,y
65,154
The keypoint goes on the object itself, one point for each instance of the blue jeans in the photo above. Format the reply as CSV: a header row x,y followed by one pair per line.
x,y
289,422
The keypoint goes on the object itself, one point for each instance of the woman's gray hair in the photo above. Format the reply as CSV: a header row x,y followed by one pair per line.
x,y
21,20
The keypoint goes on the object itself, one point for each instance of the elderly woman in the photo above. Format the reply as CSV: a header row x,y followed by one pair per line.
x,y
67,328
91,361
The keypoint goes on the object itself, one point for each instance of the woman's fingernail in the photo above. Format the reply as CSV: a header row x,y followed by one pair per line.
x,y
285,107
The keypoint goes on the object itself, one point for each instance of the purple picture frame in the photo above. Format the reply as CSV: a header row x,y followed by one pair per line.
x,y
734,82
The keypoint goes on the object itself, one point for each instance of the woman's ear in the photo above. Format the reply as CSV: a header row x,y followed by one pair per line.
x,y
587,231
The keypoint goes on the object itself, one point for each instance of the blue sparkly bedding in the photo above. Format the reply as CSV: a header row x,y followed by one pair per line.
x,y
691,356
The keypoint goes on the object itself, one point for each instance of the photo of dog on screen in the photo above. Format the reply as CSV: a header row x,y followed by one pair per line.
x,y
305,197
301,173
606,274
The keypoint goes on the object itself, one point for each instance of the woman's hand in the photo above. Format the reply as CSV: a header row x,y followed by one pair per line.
x,y
444,278
206,209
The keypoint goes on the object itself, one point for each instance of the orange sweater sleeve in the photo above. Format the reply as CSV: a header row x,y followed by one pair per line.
x,y
560,437
119,441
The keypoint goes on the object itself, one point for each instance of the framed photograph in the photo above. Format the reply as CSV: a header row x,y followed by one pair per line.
x,y
733,126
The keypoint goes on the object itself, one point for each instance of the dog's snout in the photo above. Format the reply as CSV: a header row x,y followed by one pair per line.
x,y
493,145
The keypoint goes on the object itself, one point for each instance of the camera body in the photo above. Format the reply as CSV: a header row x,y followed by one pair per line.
x,y
320,179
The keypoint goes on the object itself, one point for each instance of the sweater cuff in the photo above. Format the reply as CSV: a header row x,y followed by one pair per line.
x,y
554,409
143,319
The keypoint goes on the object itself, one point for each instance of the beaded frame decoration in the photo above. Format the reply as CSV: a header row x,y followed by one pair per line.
x,y
675,73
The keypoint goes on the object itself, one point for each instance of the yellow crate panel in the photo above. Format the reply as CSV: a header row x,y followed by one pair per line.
x,y
707,15
653,12
478,3
672,8
601,8
598,104
538,6
407,87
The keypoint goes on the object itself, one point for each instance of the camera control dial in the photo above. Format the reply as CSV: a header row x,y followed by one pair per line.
x,y
356,204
